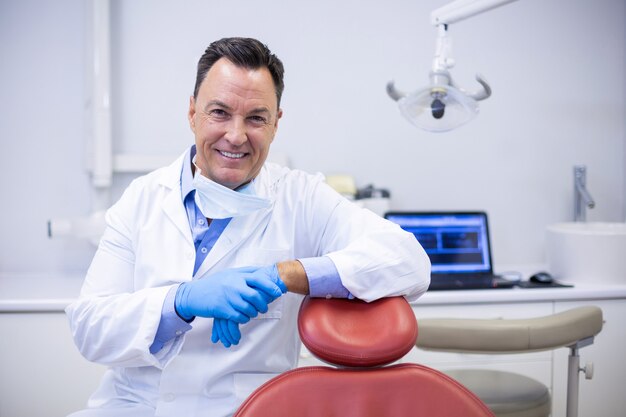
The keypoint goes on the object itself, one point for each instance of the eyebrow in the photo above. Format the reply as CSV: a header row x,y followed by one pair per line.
x,y
217,103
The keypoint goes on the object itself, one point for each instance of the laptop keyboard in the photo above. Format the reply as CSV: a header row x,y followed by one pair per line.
x,y
466,282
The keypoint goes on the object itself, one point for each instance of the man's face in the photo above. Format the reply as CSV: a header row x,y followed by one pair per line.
x,y
234,119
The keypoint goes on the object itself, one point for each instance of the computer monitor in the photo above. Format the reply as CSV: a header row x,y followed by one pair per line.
x,y
456,242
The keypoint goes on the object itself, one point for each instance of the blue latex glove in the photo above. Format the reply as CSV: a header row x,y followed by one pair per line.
x,y
234,294
227,331
271,273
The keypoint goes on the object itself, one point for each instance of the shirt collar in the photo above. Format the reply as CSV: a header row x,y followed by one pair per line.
x,y
186,177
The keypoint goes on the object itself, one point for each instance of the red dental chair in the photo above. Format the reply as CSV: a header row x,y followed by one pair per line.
x,y
360,338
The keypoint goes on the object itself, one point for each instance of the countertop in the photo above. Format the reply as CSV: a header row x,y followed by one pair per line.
x,y
524,295
38,293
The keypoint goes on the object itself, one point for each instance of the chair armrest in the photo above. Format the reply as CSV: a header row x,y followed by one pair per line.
x,y
509,335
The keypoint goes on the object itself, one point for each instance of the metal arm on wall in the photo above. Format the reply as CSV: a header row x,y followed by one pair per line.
x,y
100,159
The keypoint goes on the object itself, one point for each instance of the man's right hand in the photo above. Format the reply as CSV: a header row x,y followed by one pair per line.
x,y
233,294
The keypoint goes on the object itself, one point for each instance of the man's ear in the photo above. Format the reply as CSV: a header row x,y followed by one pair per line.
x,y
191,114
279,114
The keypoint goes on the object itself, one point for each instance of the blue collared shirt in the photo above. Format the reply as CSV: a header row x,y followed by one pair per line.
x,y
324,280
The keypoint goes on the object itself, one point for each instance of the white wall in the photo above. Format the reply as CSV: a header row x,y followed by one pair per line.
x,y
557,69
42,130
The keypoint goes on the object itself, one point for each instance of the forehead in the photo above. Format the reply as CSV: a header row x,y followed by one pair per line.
x,y
226,82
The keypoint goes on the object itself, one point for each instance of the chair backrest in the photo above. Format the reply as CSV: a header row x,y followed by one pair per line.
x,y
361,337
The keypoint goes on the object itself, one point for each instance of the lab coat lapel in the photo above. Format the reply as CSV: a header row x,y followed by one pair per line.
x,y
175,211
172,204
237,231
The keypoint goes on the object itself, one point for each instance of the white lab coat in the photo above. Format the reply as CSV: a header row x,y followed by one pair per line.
x,y
147,248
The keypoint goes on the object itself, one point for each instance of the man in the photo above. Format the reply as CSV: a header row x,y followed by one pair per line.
x,y
192,296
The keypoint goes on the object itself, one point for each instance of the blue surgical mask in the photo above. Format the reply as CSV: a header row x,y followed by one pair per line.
x,y
218,202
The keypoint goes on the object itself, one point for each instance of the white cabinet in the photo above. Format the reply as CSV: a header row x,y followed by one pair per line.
x,y
43,375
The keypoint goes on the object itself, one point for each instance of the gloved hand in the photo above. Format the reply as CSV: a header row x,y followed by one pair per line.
x,y
234,294
227,331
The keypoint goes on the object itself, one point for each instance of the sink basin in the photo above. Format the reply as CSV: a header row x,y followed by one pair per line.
x,y
592,252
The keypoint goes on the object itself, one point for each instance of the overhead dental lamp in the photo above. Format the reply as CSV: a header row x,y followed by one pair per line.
x,y
443,105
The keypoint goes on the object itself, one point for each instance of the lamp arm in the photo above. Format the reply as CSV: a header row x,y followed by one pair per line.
x,y
443,51
462,9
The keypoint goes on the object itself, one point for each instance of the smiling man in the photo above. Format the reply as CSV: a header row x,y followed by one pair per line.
x,y
192,297
234,116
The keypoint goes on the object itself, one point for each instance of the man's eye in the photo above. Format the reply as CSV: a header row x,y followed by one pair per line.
x,y
258,119
219,113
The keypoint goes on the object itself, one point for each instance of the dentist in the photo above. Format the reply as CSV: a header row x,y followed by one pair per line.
x,y
192,297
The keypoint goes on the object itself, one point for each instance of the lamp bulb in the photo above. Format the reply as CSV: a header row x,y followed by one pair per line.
x,y
437,108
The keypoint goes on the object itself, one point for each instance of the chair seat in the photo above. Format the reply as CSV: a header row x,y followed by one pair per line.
x,y
507,394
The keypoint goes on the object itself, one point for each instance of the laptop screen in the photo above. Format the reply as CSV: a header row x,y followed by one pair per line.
x,y
454,242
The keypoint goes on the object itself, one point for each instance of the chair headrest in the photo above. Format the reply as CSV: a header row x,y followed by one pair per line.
x,y
355,333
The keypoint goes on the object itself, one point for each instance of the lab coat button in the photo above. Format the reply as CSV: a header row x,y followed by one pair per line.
x,y
169,397
328,296
189,255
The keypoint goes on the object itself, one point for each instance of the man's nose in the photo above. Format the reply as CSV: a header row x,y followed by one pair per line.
x,y
236,132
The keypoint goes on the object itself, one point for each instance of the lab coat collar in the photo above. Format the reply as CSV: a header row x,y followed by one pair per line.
x,y
186,175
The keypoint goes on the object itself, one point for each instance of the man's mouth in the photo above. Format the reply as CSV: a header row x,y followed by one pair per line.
x,y
232,155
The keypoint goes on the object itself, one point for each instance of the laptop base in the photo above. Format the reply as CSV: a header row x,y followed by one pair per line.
x,y
456,282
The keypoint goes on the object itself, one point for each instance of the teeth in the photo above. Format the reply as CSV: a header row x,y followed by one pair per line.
x,y
232,155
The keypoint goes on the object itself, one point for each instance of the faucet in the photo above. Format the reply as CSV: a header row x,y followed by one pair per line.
x,y
582,198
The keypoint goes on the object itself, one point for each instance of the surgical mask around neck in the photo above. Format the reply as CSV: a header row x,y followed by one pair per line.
x,y
218,202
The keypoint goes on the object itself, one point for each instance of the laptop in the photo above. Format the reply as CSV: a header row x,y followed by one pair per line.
x,y
458,246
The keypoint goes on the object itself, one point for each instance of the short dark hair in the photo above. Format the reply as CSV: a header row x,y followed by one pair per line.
x,y
244,52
